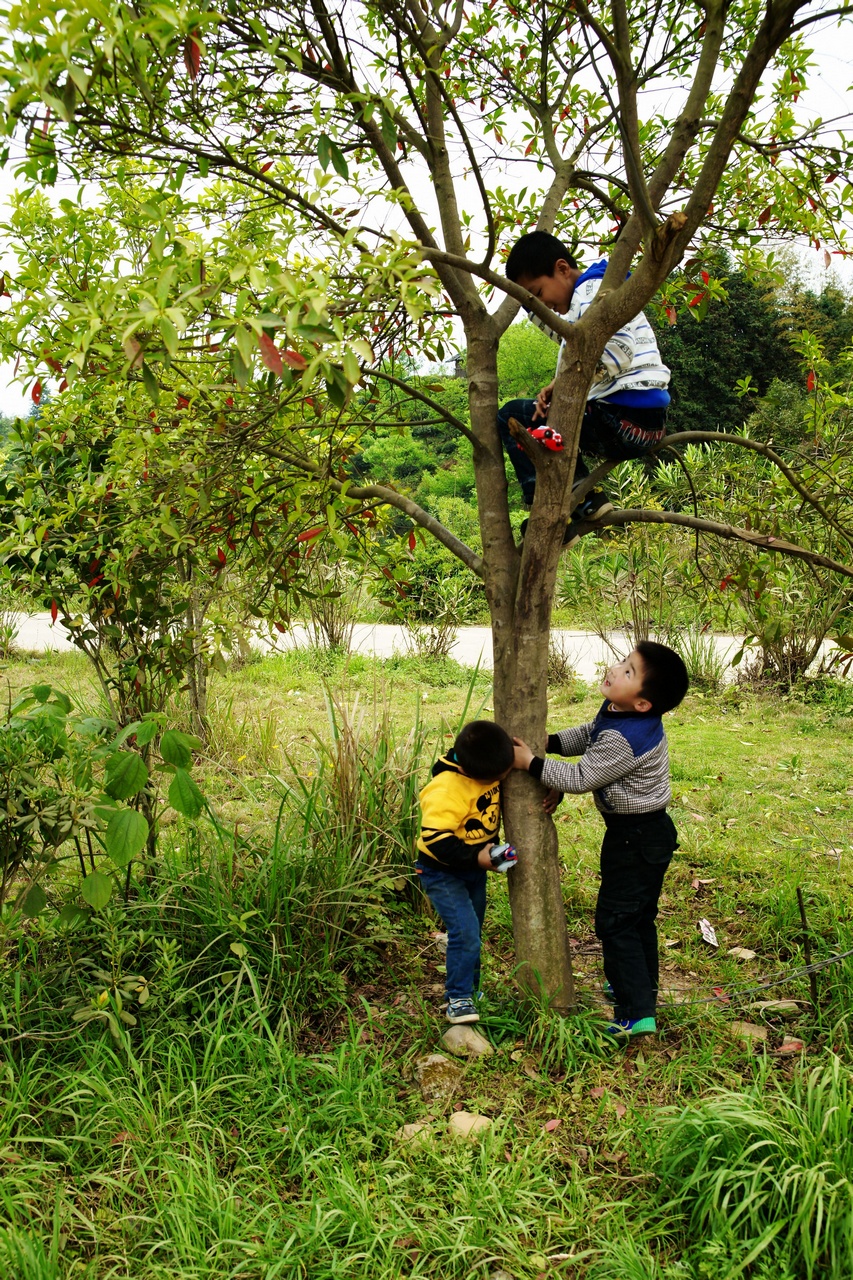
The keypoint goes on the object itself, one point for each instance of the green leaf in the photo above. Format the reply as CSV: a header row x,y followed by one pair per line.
x,y
71,914
41,692
388,129
146,732
176,748
184,795
150,383
324,151
96,889
35,901
125,836
245,344
126,775
339,163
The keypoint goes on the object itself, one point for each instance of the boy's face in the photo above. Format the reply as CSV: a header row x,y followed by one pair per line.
x,y
555,290
623,684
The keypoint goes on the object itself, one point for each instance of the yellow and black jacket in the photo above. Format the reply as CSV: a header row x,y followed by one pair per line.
x,y
459,816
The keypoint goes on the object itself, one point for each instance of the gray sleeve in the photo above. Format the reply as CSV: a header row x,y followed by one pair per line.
x,y
571,742
608,759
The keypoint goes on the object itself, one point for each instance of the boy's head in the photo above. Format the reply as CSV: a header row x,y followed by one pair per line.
x,y
652,678
540,263
484,751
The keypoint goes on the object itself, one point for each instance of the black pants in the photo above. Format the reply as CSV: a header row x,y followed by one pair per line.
x,y
635,853
608,431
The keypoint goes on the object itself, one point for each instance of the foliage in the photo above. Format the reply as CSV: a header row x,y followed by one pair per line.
x,y
74,791
742,336
527,360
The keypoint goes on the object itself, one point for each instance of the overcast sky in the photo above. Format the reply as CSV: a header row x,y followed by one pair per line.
x,y
827,96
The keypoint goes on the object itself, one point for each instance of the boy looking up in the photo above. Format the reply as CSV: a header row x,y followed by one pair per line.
x,y
626,407
460,819
625,764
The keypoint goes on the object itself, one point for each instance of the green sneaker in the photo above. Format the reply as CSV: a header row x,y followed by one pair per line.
x,y
625,1028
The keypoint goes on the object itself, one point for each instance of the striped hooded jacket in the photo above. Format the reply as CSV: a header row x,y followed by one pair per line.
x,y
631,371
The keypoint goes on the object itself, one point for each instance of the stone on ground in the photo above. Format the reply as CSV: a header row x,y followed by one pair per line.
x,y
463,1124
438,1077
463,1041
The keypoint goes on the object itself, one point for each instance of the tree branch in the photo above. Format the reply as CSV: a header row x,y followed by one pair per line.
x,y
762,541
756,446
389,497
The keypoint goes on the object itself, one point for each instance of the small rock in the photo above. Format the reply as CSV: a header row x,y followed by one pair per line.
x,y
438,1077
779,1008
750,1033
414,1135
501,1275
463,1041
742,953
463,1124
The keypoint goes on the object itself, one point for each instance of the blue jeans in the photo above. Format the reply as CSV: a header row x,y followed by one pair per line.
x,y
607,430
459,897
635,854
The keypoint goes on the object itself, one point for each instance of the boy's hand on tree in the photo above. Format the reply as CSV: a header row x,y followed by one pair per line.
x,y
522,754
483,859
552,799
543,402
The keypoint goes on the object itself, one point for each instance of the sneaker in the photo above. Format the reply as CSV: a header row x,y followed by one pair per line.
x,y
625,1028
594,505
462,1010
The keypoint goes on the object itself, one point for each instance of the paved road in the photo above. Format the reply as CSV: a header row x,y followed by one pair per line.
x,y
586,652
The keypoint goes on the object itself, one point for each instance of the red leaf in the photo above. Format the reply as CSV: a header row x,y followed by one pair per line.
x,y
694,302
36,393
220,555
551,1125
598,1092
192,57
279,626
270,354
705,277
265,168
670,315
412,541
810,381
296,361
54,610
812,204
183,402
308,534
726,582
63,386
830,177
762,217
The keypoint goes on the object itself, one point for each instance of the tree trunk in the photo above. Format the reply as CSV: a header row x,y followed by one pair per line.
x,y
520,591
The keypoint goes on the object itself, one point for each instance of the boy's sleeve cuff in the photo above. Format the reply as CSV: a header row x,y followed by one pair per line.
x,y
537,764
553,747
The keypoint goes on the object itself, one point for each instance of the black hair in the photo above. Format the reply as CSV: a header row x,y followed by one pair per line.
x,y
665,678
484,750
536,254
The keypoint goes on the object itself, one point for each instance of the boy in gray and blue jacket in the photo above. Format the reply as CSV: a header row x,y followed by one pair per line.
x,y
624,762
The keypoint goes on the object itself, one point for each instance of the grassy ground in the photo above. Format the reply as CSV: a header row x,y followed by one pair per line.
x,y
245,1127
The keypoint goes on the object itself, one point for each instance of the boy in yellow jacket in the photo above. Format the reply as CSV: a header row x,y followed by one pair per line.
x,y
460,819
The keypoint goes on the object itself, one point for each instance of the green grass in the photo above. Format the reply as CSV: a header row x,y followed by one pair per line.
x,y
245,1126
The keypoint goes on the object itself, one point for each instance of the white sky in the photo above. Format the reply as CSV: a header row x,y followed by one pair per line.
x,y
827,96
